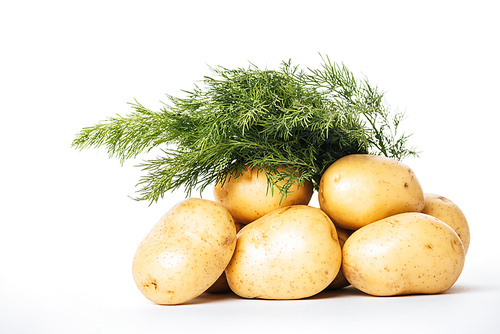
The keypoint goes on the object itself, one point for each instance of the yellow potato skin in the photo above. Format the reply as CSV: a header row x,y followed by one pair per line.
x,y
340,281
290,253
221,286
409,253
247,197
185,252
359,189
449,213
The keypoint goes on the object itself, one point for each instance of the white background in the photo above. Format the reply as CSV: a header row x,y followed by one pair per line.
x,y
69,229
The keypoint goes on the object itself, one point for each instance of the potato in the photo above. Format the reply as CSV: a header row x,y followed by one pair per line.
x,y
185,252
290,253
359,189
221,286
449,213
408,253
248,198
340,281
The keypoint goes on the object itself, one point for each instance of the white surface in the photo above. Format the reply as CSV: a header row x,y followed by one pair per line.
x,y
69,230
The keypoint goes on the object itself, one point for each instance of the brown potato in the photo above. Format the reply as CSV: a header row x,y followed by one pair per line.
x,y
359,189
408,253
340,281
185,252
248,198
449,213
290,253
221,286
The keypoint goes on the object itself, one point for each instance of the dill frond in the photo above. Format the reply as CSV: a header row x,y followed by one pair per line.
x,y
302,120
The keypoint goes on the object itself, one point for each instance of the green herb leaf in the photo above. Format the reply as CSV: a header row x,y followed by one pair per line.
x,y
303,120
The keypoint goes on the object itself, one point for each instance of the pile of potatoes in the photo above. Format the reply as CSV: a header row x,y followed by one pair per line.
x,y
375,230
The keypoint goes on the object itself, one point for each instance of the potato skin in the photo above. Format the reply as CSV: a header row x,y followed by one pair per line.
x,y
185,252
221,286
290,253
409,253
247,197
449,213
359,189
340,281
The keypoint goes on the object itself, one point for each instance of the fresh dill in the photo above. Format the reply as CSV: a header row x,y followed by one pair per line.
x,y
302,120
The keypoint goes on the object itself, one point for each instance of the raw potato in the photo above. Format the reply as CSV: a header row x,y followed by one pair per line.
x,y
247,197
290,253
340,281
409,253
221,286
359,189
448,212
185,252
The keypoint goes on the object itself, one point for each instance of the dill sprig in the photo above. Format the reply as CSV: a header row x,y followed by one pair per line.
x,y
302,120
